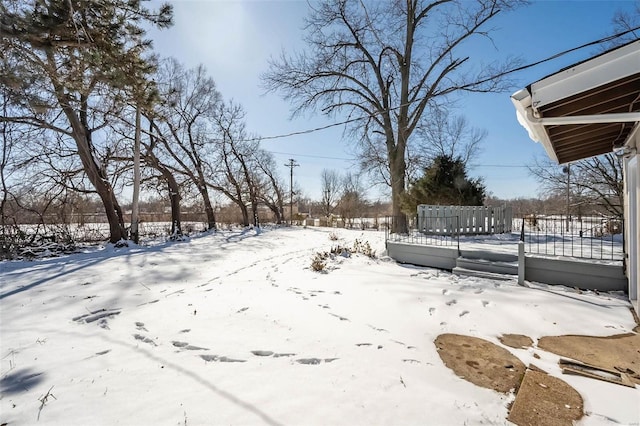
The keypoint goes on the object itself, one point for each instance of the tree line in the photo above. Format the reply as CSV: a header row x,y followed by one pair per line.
x,y
83,94
81,89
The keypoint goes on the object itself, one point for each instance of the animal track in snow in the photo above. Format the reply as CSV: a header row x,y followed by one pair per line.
x,y
485,303
377,329
140,326
463,313
444,291
431,311
451,302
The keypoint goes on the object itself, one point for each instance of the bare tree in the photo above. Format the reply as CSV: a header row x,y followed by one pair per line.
x,y
245,174
594,184
272,194
625,21
168,175
446,136
330,187
352,201
384,64
182,125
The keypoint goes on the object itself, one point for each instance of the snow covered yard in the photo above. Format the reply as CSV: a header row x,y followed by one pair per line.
x,y
236,328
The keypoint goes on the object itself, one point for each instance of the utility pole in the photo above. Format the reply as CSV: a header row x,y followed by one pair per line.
x,y
327,193
291,164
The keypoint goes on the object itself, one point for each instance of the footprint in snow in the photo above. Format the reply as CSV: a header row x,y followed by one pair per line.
x,y
140,326
463,313
144,339
187,346
314,361
271,353
100,314
451,302
368,344
485,303
216,358
431,311
341,318
262,353
444,291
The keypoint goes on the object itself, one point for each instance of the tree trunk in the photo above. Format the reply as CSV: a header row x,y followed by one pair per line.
x,y
136,181
397,169
245,213
254,211
208,207
100,183
174,197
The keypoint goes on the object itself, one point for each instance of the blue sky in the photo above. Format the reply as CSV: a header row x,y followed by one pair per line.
x,y
235,38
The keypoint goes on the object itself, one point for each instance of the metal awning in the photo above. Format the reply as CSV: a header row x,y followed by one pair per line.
x,y
588,109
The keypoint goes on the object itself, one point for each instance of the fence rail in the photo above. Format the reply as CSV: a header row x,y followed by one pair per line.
x,y
471,220
581,237
438,231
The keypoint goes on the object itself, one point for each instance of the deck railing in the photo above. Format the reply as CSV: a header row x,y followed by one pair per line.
x,y
582,237
438,231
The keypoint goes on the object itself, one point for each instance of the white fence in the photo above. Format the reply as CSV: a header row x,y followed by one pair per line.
x,y
464,220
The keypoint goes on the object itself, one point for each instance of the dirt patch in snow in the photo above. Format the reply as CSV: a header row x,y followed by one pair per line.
x,y
517,341
620,352
481,362
545,400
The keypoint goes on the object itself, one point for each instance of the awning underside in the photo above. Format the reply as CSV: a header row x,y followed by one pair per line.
x,y
573,142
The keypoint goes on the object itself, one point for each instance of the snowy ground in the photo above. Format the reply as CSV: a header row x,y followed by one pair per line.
x,y
235,328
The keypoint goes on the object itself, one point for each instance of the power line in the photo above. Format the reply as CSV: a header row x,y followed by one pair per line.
x,y
465,86
499,165
311,156
322,157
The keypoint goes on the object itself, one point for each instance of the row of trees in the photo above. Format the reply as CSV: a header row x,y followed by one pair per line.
x,y
82,96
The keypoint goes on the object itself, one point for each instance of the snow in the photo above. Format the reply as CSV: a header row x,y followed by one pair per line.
x,y
236,328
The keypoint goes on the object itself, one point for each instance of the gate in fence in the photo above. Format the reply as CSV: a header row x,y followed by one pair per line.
x,y
464,220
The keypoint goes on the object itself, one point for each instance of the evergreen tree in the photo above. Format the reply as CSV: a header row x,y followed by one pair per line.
x,y
445,182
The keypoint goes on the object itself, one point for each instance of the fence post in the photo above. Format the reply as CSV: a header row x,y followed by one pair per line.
x,y
521,262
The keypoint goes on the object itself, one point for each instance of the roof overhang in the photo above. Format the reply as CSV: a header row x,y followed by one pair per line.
x,y
587,109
